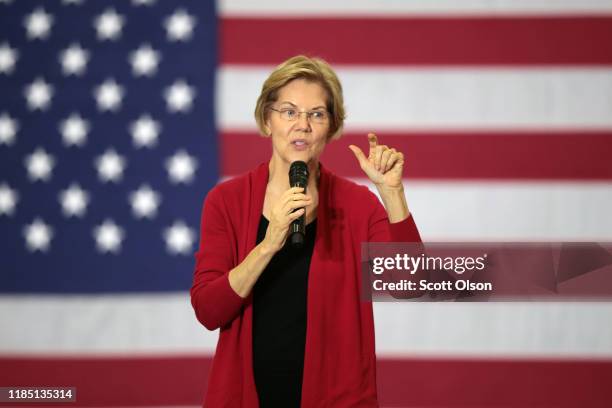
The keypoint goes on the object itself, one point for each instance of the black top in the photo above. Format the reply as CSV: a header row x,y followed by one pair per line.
x,y
279,322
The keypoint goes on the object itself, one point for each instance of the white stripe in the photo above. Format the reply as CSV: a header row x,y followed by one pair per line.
x,y
410,7
494,329
510,211
165,324
102,324
386,98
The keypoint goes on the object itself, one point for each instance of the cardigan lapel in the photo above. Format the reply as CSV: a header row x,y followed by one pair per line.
x,y
315,381
253,198
258,181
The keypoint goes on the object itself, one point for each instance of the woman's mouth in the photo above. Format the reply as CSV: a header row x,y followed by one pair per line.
x,y
299,144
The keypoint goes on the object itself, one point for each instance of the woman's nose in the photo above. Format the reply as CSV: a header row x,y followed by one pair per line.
x,y
303,122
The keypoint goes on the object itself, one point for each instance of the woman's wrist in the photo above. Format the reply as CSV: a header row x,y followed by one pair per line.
x,y
383,189
266,249
395,203
243,277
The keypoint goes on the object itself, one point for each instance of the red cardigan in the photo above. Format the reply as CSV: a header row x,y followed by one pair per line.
x,y
340,360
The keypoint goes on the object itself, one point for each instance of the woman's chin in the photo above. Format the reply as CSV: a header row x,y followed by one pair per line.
x,y
298,156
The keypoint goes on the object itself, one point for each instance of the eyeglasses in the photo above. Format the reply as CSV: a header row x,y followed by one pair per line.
x,y
292,114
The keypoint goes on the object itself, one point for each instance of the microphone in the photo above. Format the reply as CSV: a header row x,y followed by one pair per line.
x,y
298,177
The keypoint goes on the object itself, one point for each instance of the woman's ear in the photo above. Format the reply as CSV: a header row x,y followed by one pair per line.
x,y
267,129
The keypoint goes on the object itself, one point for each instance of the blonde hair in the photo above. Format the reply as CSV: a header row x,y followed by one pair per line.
x,y
311,69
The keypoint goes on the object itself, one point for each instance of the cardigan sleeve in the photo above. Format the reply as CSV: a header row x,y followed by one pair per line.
x,y
215,303
381,230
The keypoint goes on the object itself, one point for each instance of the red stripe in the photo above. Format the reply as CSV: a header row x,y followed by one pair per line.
x,y
420,41
530,156
401,382
114,381
494,383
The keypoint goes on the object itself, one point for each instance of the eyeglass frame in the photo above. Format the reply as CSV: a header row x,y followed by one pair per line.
x,y
308,113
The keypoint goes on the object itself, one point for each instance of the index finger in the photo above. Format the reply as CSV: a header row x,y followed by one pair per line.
x,y
288,193
372,140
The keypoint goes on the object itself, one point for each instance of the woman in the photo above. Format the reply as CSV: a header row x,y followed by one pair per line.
x,y
294,331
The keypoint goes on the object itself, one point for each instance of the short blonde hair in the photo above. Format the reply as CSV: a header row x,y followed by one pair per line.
x,y
311,69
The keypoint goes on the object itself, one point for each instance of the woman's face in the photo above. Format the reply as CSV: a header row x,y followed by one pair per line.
x,y
302,139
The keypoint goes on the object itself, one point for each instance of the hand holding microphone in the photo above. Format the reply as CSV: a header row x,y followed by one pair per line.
x,y
287,209
288,215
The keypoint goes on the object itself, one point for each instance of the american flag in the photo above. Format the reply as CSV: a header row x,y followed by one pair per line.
x,y
117,117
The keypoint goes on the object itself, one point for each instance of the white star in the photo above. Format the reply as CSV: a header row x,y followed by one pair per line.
x,y
179,238
8,199
74,130
74,200
74,60
109,95
181,167
38,235
145,131
110,166
179,96
144,202
144,61
108,236
6,1
39,165
8,58
38,94
179,26
8,129
38,24
109,25
143,2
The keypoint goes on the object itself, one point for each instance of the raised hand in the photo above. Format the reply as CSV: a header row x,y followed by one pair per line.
x,y
383,166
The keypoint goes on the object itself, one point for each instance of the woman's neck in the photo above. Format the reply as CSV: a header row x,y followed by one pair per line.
x,y
278,179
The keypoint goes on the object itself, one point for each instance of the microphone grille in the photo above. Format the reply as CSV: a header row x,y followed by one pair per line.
x,y
298,169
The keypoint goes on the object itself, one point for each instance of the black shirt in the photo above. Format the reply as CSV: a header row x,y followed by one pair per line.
x,y
279,322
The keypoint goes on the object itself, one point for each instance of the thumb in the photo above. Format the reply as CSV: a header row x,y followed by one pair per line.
x,y
358,154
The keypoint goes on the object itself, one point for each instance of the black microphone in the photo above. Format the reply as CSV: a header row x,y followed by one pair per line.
x,y
298,177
